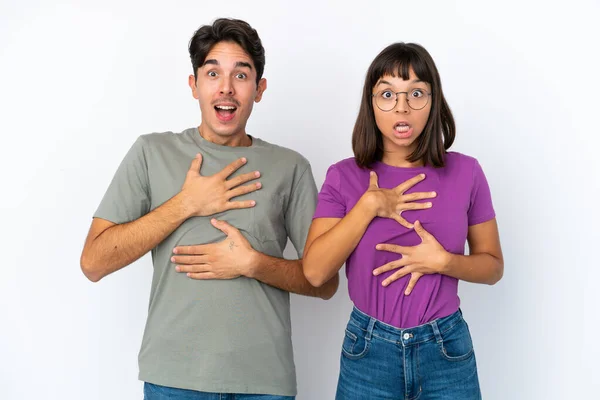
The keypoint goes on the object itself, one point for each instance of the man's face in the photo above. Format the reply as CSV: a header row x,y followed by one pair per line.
x,y
226,90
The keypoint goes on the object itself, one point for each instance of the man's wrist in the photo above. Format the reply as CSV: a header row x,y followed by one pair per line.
x,y
252,264
185,204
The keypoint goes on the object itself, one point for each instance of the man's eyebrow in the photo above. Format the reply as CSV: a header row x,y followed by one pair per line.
x,y
211,61
242,64
238,64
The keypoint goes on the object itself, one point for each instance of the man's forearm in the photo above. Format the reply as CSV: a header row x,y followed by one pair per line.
x,y
122,244
288,275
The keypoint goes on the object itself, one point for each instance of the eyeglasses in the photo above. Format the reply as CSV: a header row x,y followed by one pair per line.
x,y
386,100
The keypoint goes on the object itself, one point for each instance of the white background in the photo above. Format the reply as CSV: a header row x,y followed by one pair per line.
x,y
79,81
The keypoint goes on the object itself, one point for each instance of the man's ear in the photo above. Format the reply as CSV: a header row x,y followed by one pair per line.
x,y
262,86
192,83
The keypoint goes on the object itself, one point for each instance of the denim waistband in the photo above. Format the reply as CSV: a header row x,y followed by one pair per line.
x,y
407,336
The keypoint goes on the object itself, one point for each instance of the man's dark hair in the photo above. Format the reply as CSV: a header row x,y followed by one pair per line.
x,y
227,30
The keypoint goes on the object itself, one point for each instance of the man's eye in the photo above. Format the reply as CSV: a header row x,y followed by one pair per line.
x,y
212,74
241,76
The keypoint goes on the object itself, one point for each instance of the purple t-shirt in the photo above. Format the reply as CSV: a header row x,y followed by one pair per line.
x,y
463,199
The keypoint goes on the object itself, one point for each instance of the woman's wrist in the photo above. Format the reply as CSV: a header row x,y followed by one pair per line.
x,y
368,205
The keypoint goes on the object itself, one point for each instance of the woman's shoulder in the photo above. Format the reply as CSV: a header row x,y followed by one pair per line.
x,y
345,165
456,157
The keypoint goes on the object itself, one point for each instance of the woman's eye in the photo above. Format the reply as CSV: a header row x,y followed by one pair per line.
x,y
387,94
418,93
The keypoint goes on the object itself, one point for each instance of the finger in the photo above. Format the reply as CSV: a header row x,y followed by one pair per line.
x,y
192,269
390,266
236,205
196,164
404,186
231,168
393,248
373,183
202,275
396,275
402,221
415,206
243,190
414,277
238,180
417,196
423,234
224,227
189,260
192,250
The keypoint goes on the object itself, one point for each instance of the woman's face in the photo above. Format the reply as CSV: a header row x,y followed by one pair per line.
x,y
401,123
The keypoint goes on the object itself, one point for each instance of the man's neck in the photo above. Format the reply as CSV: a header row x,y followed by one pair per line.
x,y
236,140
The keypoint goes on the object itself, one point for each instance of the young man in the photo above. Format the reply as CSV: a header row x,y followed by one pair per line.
x,y
218,322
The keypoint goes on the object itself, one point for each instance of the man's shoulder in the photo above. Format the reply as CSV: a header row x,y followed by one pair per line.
x,y
278,152
164,138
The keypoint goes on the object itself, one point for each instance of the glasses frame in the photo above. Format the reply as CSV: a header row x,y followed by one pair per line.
x,y
427,92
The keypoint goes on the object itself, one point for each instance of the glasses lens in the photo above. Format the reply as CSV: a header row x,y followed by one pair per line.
x,y
418,99
385,100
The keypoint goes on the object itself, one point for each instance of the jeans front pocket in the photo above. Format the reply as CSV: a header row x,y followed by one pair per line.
x,y
456,343
355,345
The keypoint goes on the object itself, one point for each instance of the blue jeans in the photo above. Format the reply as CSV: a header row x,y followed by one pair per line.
x,y
157,392
434,361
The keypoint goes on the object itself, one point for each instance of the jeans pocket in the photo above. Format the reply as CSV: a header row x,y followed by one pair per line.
x,y
151,391
456,343
355,345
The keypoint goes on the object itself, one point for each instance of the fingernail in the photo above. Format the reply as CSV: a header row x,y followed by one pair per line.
x,y
372,172
375,273
243,159
384,283
257,174
189,274
428,204
378,247
173,259
252,203
259,185
214,221
433,193
175,251
177,269
422,175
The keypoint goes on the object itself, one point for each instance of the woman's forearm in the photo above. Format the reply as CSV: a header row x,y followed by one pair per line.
x,y
326,254
475,268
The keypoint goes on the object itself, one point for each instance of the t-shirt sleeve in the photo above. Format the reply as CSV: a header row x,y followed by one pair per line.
x,y
127,197
300,208
330,202
481,208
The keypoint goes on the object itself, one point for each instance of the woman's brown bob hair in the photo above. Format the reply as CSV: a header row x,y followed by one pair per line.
x,y
439,132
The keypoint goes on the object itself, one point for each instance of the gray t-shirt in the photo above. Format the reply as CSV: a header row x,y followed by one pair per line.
x,y
229,336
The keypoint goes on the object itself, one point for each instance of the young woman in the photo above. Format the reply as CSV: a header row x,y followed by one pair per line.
x,y
398,214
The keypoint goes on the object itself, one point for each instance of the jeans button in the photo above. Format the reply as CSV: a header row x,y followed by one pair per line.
x,y
406,336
